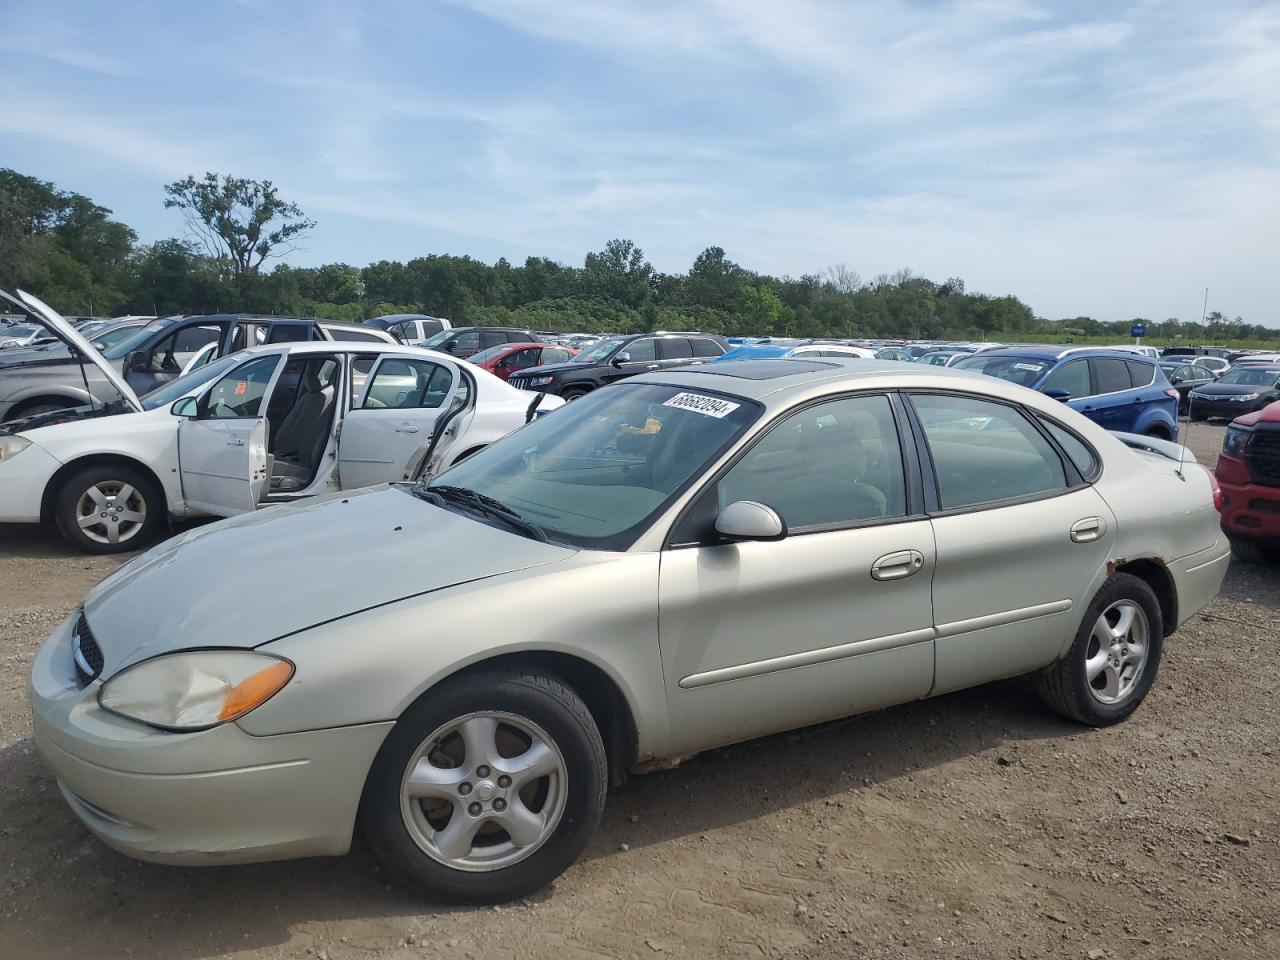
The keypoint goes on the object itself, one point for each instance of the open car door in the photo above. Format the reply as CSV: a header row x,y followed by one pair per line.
x,y
222,446
447,437
395,415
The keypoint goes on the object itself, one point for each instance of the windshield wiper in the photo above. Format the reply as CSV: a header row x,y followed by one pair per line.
x,y
481,503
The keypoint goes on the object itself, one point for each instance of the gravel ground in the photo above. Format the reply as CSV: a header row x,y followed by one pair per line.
x,y
973,825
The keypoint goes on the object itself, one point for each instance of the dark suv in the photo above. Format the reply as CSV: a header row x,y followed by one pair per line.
x,y
462,342
616,357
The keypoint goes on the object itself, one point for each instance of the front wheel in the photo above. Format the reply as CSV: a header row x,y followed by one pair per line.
x,y
575,393
108,509
1250,551
1114,659
486,789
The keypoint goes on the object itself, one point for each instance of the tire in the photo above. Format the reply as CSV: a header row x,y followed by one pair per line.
x,y
133,525
575,393
1159,433
35,409
410,836
1251,551
1066,688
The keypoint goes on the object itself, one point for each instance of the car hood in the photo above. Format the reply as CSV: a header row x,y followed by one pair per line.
x,y
553,368
1231,389
261,576
1268,414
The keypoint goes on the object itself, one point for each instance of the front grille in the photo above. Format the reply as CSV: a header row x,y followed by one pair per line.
x,y
1263,457
520,383
85,652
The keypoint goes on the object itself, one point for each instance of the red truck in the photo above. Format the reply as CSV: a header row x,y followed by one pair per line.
x,y
1248,472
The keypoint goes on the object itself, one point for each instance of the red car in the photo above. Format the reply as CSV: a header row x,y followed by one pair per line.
x,y
506,358
1248,472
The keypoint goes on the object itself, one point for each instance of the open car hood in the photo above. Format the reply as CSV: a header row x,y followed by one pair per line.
x,y
51,320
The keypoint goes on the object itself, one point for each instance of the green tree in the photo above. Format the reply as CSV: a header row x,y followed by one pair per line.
x,y
619,272
242,221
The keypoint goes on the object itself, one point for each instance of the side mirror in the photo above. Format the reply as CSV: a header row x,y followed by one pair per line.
x,y
185,407
139,362
1174,381
620,358
451,346
1058,394
748,520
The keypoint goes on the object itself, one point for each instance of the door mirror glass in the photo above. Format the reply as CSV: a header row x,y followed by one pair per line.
x,y
748,520
620,358
185,407
1057,393
139,361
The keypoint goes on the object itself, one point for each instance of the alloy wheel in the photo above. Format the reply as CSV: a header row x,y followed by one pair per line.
x,y
111,511
1117,652
483,791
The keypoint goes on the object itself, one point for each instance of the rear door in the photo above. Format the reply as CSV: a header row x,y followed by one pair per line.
x,y
397,408
1020,537
1114,405
222,450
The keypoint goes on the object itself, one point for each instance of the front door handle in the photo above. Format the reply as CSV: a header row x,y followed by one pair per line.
x,y
406,428
897,566
237,442
652,366
1088,529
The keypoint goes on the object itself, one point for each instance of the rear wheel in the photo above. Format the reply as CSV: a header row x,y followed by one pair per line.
x,y
486,789
1114,659
108,509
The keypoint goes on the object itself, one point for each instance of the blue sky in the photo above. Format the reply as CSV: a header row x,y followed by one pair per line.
x,y
1110,159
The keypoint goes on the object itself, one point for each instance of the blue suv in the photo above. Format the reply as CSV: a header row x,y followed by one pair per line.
x,y
1114,389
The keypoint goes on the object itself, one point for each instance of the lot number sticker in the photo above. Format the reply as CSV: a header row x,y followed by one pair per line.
x,y
707,406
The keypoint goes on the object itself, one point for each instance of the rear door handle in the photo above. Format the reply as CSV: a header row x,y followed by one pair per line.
x,y
897,566
406,428
652,366
1088,529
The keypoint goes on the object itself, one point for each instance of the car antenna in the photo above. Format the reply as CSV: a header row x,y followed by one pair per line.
x,y
1191,402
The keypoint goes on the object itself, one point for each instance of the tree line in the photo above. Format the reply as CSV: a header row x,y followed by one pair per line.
x,y
72,253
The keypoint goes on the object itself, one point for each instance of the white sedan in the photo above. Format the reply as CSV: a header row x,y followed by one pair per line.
x,y
266,425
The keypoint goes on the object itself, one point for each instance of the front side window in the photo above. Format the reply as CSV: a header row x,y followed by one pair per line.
x,y
553,355
405,384
598,471
467,342
985,452
837,462
641,351
240,392
171,354
1072,377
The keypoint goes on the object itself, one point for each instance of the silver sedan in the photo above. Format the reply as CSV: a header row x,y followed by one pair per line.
x,y
679,561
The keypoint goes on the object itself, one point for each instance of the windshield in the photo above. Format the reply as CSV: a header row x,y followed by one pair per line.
x,y
491,353
126,346
1014,369
111,337
171,391
595,472
597,352
436,339
1246,377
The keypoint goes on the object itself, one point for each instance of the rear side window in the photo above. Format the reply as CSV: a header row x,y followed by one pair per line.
x,y
1112,376
984,452
1141,374
676,348
1072,377
289,333
554,355
1081,453
405,384
706,347
346,333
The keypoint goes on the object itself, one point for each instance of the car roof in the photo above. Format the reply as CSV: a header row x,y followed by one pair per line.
x,y
1056,352
786,380
344,346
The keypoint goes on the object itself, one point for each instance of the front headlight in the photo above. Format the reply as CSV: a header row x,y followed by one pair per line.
x,y
540,381
1245,397
12,445
1235,441
195,690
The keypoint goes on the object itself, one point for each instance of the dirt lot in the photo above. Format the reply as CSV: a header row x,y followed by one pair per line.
x,y
973,825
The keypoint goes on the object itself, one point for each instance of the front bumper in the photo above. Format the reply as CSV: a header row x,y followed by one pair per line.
x,y
217,796
1250,510
1225,409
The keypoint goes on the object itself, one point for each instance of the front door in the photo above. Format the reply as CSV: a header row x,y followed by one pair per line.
x,y
638,356
1020,540
832,620
222,450
393,418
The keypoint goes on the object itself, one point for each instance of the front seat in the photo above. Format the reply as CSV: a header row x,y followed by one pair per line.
x,y
304,432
